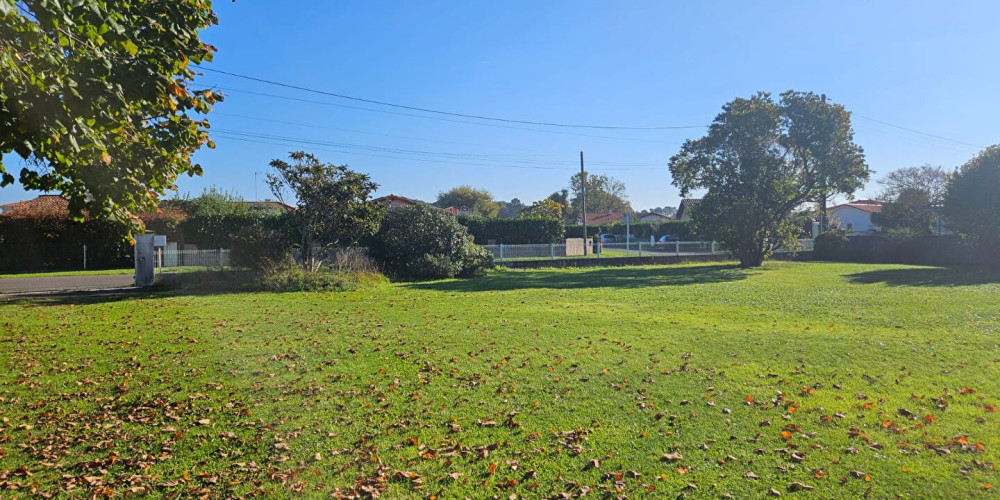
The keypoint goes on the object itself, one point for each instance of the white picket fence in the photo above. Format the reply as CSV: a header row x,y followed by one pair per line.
x,y
168,257
219,257
502,253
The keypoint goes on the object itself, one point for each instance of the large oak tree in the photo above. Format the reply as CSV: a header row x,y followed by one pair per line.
x,y
762,159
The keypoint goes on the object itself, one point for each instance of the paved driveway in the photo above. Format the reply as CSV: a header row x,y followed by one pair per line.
x,y
65,283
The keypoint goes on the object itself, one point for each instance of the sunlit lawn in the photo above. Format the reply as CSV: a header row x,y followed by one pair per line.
x,y
814,380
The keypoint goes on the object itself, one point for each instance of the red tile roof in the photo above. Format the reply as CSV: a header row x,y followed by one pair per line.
x,y
396,201
46,204
603,218
870,206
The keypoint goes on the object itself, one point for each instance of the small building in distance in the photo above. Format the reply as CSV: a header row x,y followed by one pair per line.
x,y
856,217
684,210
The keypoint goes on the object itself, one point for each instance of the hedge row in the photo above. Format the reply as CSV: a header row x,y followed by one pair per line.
x,y
924,250
55,243
513,231
642,230
216,231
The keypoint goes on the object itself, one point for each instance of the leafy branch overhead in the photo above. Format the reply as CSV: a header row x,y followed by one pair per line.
x,y
97,99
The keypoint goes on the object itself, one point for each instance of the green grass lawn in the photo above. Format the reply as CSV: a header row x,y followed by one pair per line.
x,y
815,380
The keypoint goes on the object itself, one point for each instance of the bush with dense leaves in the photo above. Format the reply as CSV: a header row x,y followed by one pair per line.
x,y
422,242
830,245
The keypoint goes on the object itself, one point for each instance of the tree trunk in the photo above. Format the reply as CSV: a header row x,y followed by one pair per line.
x,y
822,212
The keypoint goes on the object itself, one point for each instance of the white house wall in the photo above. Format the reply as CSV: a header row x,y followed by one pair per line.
x,y
853,220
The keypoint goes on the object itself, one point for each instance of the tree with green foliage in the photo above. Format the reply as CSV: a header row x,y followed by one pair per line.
x,y
907,216
605,194
509,209
821,140
543,209
212,201
759,162
972,201
333,204
474,201
96,97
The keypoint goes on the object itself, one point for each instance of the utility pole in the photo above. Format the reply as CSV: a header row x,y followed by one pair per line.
x,y
583,182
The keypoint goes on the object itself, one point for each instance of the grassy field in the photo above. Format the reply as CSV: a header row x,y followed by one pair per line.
x,y
805,380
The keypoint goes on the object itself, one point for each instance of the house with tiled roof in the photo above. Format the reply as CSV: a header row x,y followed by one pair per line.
x,y
684,210
856,217
599,218
46,204
395,200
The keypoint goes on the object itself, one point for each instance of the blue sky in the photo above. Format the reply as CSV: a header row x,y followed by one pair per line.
x,y
927,66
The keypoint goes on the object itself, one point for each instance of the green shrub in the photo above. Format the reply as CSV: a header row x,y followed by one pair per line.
x,y
295,279
422,242
830,245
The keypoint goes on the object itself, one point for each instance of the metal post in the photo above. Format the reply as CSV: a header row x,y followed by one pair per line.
x,y
220,258
677,247
552,251
501,252
640,249
85,257
628,235
583,184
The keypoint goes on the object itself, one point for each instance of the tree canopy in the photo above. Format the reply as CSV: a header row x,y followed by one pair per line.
x,y
333,205
906,216
604,194
972,201
762,159
476,201
932,181
96,97
509,209
543,209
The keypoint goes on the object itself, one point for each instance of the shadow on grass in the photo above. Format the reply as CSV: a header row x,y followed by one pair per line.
x,y
618,277
201,283
928,276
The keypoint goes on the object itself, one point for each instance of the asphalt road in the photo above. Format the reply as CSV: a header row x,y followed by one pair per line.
x,y
65,283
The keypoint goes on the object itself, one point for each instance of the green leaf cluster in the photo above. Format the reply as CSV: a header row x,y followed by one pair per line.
x,y
97,98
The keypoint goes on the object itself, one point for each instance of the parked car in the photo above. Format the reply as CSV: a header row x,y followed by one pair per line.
x,y
667,238
608,238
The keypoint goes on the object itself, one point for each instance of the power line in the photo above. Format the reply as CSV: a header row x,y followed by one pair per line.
x,y
917,131
437,118
524,157
447,113
421,156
